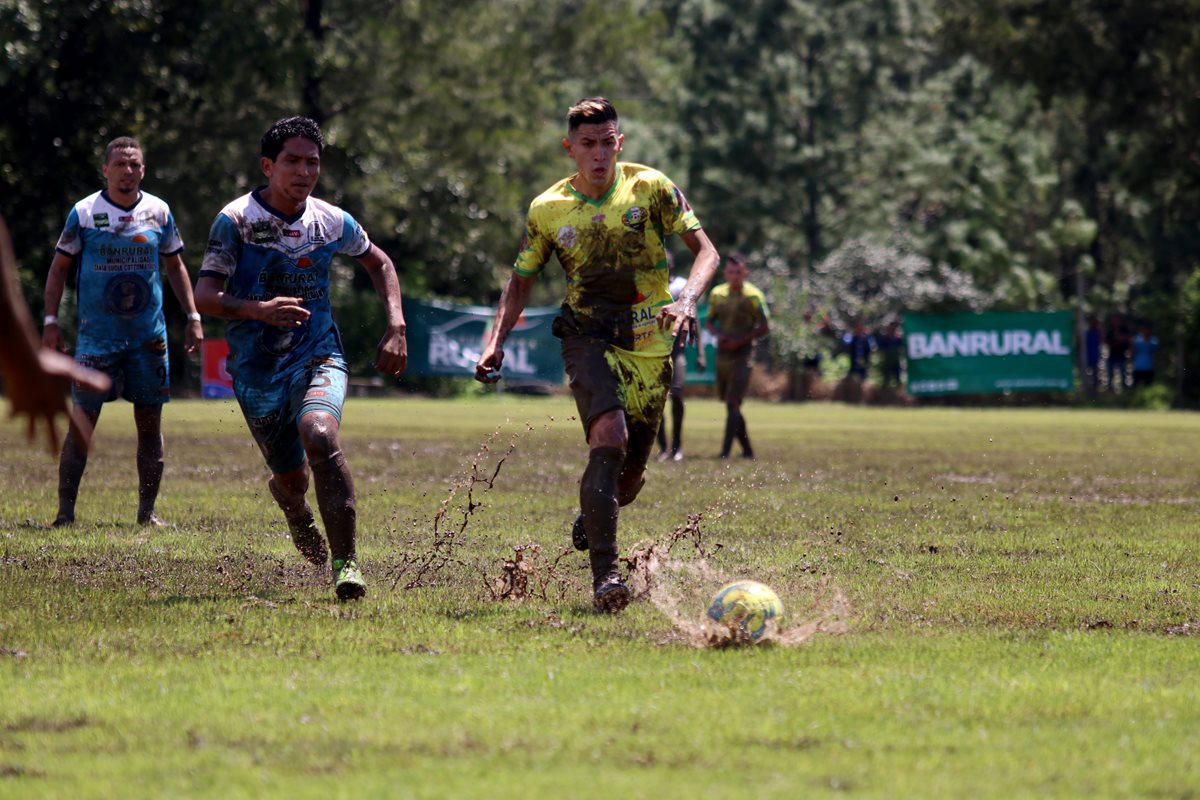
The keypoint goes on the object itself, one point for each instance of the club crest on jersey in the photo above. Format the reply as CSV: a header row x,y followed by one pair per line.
x,y
566,237
127,296
316,234
262,232
101,220
634,218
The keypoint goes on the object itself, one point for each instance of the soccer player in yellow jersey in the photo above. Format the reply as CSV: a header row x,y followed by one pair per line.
x,y
607,224
737,313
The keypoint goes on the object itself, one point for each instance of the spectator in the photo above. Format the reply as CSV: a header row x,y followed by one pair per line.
x,y
1117,338
891,349
1144,346
859,344
1092,338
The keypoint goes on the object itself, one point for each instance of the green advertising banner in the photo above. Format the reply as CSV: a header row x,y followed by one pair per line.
x,y
447,339
989,353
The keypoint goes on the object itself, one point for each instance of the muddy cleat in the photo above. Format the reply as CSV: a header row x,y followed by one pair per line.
x,y
348,580
578,534
612,596
150,521
62,521
309,542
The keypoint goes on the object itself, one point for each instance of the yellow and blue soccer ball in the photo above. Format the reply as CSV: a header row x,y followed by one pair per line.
x,y
745,607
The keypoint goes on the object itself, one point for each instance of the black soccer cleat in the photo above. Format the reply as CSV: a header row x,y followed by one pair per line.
x,y
612,596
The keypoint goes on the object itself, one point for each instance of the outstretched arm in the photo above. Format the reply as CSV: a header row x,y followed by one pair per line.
x,y
681,315
512,303
181,284
37,378
391,357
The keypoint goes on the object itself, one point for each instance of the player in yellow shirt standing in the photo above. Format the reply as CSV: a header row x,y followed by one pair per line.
x,y
737,314
607,224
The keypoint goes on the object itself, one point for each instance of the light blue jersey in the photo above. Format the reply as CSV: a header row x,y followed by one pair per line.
x,y
118,285
261,254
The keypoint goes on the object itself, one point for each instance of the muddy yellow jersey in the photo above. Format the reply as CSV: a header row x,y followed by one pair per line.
x,y
737,313
612,251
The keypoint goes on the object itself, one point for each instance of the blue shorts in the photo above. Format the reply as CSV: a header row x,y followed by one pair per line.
x,y
273,412
141,370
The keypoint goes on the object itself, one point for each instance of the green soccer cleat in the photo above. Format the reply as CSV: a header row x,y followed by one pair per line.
x,y
348,580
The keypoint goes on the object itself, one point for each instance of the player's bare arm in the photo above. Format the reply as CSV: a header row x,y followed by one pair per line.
x,y
681,314
181,284
281,312
391,357
512,303
56,280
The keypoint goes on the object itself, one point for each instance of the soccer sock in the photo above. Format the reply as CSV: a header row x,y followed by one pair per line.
x,y
150,472
730,429
743,436
335,499
662,435
598,502
676,424
70,473
295,508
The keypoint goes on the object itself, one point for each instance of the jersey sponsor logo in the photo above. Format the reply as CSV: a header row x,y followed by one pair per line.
x,y
125,218
100,220
599,217
291,233
262,232
635,218
156,345
214,246
127,296
566,237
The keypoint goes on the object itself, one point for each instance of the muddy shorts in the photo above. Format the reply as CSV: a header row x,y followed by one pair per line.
x,y
140,369
273,412
733,376
604,377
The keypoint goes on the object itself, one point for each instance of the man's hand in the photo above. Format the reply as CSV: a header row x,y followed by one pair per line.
x,y
52,338
681,317
284,312
193,335
41,394
488,368
391,357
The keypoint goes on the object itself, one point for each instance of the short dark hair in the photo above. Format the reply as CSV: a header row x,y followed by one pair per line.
x,y
120,143
290,128
591,111
736,259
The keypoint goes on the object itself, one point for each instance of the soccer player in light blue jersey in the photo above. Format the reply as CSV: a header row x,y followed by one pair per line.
x,y
266,270
120,236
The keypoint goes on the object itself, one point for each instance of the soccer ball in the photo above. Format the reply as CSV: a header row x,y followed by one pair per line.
x,y
745,607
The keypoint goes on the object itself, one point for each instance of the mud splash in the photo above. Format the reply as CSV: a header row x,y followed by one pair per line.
x,y
675,576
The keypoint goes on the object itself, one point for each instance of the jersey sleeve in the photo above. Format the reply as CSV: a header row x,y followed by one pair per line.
x,y
534,251
70,242
355,242
224,245
764,313
170,243
675,213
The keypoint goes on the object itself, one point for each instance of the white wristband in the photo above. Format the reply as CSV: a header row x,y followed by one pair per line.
x,y
194,316
50,320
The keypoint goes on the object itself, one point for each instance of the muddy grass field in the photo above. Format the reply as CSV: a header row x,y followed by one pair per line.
x,y
978,604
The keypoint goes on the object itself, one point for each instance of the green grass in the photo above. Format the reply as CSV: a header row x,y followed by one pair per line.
x,y
1024,590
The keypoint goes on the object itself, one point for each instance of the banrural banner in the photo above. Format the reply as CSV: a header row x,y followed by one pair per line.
x,y
447,339
989,353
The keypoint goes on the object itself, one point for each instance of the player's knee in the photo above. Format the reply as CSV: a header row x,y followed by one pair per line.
x,y
319,435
